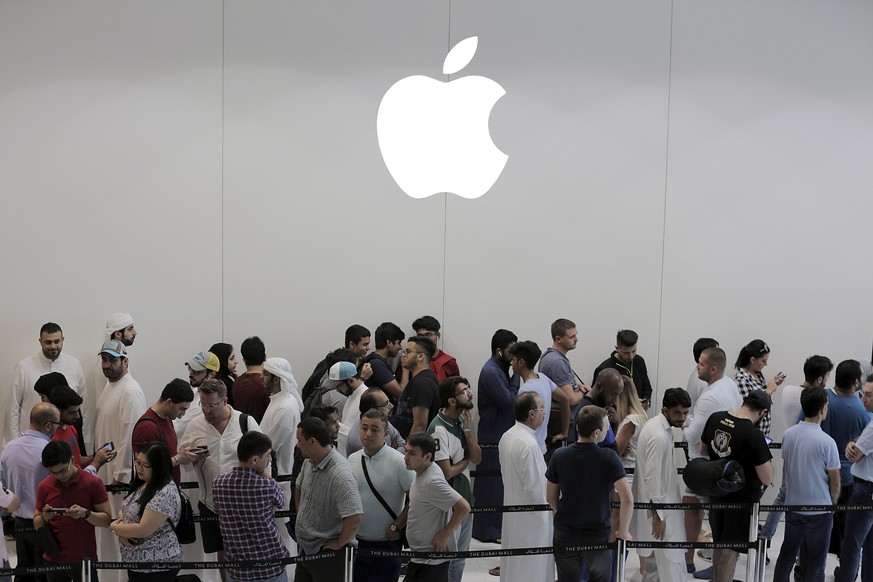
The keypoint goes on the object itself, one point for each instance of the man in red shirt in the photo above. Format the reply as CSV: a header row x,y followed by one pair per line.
x,y
156,424
72,502
249,394
442,364
68,403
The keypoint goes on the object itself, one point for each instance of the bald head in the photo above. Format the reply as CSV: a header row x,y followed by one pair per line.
x,y
608,387
44,417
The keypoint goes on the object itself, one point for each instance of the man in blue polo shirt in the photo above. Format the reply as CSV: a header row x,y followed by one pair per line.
x,y
580,480
810,476
859,523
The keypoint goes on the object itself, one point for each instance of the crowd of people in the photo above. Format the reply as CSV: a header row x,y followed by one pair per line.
x,y
375,450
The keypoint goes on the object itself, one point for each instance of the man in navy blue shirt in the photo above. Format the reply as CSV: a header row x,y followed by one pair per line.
x,y
580,481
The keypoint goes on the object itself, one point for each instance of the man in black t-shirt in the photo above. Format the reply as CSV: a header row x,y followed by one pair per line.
x,y
580,480
389,341
734,435
628,363
420,401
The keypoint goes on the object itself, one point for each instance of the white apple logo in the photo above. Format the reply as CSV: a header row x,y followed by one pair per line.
x,y
434,136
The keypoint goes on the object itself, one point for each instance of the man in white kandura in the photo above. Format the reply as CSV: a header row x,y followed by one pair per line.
x,y
658,482
280,424
524,483
120,406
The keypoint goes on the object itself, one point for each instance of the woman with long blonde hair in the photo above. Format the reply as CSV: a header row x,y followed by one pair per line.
x,y
631,416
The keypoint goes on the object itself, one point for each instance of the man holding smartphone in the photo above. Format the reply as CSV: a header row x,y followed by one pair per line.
x,y
72,503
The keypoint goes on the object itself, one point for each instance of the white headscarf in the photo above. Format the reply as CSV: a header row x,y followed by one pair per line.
x,y
116,322
282,368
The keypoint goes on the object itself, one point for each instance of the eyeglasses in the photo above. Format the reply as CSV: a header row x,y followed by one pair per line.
x,y
407,352
212,404
384,404
62,471
466,390
141,465
54,422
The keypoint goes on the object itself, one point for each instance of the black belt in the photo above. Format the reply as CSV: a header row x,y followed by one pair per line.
x,y
862,481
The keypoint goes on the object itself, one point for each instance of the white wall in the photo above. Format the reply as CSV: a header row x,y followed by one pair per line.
x,y
679,168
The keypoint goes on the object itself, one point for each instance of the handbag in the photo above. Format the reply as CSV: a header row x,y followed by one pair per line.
x,y
404,543
185,529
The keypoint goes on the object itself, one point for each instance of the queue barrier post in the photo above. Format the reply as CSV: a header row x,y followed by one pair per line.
x,y
620,551
86,569
761,561
350,563
753,535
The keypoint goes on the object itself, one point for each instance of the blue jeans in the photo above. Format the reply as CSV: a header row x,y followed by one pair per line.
x,y
769,529
464,534
857,536
570,562
815,532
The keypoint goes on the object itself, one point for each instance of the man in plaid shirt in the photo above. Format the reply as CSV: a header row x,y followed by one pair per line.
x,y
244,500
329,510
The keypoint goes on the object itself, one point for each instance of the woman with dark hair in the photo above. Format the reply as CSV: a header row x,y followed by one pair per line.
x,y
149,514
227,372
752,359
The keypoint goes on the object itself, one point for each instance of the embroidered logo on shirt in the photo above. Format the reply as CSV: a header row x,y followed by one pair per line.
x,y
721,443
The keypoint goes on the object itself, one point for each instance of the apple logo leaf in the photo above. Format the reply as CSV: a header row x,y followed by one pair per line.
x,y
460,55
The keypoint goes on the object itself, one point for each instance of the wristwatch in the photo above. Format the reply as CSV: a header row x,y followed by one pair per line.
x,y
393,527
87,514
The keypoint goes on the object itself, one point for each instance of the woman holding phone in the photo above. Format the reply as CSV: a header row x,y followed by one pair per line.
x,y
752,359
149,515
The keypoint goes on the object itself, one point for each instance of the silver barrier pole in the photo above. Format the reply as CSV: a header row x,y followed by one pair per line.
x,y
762,560
350,563
86,569
620,550
753,536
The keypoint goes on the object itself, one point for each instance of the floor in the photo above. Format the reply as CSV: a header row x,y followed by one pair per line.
x,y
477,569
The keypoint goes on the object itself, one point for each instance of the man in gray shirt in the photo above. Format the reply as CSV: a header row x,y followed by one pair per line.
x,y
429,527
329,510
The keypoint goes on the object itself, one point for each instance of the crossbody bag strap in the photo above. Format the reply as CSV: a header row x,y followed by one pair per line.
x,y
373,489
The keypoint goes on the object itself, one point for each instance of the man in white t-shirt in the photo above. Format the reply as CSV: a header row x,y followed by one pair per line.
x,y
816,371
695,384
720,394
435,511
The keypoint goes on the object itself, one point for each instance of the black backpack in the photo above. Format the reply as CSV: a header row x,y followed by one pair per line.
x,y
714,478
316,398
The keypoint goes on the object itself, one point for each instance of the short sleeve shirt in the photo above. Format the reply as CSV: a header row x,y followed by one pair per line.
x,y
585,474
382,373
431,499
557,367
328,494
75,537
452,447
422,391
808,453
163,545
731,437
